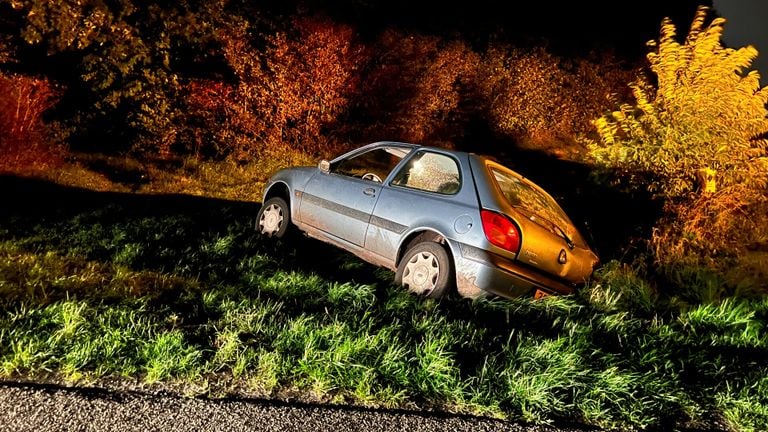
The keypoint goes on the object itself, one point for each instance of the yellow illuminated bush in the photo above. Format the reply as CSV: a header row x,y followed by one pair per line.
x,y
700,111
696,136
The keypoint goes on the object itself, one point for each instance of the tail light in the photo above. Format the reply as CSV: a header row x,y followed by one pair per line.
x,y
500,231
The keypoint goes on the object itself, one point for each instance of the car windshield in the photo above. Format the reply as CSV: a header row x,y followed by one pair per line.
x,y
538,206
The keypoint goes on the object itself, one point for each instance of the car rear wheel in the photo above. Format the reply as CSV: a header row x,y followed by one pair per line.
x,y
425,270
273,218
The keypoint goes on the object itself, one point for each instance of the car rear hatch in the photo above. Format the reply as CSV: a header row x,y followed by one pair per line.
x,y
550,242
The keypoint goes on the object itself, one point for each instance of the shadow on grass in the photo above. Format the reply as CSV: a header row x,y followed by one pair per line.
x,y
214,242
207,239
190,236
118,171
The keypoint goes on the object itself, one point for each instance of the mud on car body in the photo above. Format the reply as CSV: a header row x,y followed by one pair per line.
x,y
440,219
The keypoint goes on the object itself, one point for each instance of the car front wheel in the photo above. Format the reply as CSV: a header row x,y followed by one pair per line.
x,y
273,218
425,270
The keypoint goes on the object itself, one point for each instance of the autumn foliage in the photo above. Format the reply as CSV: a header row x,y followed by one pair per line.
x,y
704,110
221,79
292,93
542,100
25,139
697,136
417,88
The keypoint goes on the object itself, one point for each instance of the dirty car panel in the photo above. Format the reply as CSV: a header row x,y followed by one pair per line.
x,y
390,203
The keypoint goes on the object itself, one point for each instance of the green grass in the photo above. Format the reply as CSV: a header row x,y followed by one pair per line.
x,y
99,286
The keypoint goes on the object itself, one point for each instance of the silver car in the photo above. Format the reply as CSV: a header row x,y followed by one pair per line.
x,y
438,218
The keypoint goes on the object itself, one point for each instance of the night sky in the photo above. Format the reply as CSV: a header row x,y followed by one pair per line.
x,y
747,25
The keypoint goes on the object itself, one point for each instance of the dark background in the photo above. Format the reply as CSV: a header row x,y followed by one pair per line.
x,y
747,25
566,26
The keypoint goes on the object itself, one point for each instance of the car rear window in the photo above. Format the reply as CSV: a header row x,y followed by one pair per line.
x,y
523,196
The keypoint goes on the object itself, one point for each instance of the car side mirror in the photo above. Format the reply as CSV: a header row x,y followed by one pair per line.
x,y
324,166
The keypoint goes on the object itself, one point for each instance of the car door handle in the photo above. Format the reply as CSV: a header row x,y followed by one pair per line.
x,y
369,191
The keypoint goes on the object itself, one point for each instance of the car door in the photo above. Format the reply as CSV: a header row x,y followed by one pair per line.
x,y
340,201
422,194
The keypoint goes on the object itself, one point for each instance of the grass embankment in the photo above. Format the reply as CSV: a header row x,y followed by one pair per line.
x,y
175,289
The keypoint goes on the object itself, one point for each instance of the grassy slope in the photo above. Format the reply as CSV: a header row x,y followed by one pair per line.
x,y
168,288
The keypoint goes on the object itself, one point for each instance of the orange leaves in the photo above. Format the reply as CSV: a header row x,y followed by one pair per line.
x,y
22,108
228,78
314,86
538,98
289,93
24,137
314,78
417,85
209,103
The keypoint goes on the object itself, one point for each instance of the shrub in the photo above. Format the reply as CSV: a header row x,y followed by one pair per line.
x,y
724,233
209,103
696,136
120,59
700,112
25,139
289,94
538,99
417,88
523,89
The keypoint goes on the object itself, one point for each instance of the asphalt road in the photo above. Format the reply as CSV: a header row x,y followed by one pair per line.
x,y
41,408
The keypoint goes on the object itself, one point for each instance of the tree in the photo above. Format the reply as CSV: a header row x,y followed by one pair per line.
x,y
121,54
701,114
415,87
697,136
290,87
25,139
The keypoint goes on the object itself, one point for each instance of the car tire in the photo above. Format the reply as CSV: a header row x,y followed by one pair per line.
x,y
425,270
273,218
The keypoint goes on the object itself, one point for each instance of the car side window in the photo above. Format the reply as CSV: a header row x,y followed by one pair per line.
x,y
432,172
374,165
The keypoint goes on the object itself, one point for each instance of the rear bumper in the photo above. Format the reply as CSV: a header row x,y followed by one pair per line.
x,y
477,270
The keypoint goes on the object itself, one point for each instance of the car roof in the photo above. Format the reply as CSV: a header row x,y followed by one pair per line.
x,y
421,146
